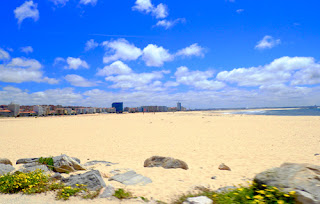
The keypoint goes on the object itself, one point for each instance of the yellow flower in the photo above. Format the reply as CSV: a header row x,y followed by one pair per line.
x,y
292,192
280,202
248,197
236,193
261,192
275,188
259,197
214,195
263,185
240,189
286,195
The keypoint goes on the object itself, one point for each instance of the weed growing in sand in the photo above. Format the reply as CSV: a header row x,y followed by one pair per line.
x,y
48,161
251,194
122,194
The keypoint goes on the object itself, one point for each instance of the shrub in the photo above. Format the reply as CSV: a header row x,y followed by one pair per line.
x,y
122,194
48,161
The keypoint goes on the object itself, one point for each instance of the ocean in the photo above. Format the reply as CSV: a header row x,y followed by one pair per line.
x,y
285,112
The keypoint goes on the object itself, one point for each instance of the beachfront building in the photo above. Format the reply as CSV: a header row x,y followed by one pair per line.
x,y
14,108
5,113
39,110
179,106
118,106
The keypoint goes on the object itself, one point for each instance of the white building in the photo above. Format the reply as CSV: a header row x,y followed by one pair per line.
x,y
39,110
15,108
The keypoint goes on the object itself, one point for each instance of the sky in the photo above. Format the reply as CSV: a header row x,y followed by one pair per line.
x,y
205,54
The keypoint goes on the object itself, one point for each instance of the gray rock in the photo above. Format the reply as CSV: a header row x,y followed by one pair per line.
x,y
224,167
165,162
107,192
226,189
131,178
5,161
213,177
316,154
5,168
57,176
94,162
198,200
120,171
302,178
76,159
32,167
92,180
27,160
65,164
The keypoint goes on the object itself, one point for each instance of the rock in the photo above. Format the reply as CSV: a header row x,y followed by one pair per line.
x,y
226,189
224,167
198,200
120,171
131,178
107,192
165,162
5,168
57,176
65,164
302,178
213,177
316,154
5,161
76,159
32,167
92,180
94,162
27,160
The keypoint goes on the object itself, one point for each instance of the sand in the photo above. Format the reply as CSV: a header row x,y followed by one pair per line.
x,y
248,144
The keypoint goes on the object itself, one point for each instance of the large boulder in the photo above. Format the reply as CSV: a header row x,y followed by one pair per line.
x,y
5,161
66,164
304,179
92,180
198,200
27,160
5,168
131,178
165,162
29,167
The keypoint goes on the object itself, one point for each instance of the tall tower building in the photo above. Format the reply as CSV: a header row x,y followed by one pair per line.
x,y
118,106
178,106
15,108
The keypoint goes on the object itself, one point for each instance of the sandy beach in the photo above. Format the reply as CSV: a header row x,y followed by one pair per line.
x,y
248,144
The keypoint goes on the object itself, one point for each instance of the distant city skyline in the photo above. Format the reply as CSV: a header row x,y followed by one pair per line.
x,y
205,54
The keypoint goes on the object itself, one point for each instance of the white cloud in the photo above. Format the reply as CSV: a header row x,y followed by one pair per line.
x,y
134,80
90,45
79,81
120,49
193,49
197,79
20,70
86,2
76,63
156,56
171,84
267,42
58,60
4,55
116,67
240,11
160,11
293,70
27,49
59,2
27,10
169,24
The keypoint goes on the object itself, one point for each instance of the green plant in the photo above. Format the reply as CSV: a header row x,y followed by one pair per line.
x,y
48,161
68,191
122,194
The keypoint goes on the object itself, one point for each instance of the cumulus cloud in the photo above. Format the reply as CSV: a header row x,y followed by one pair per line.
x,y
120,49
293,70
197,79
167,24
145,6
267,42
76,80
4,55
58,60
192,50
27,49
116,67
155,56
59,2
20,70
86,2
27,10
90,45
76,63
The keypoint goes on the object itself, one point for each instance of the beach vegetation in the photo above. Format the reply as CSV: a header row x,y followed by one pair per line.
x,y
122,194
253,193
48,161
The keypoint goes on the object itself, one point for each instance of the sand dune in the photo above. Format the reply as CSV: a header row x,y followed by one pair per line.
x,y
247,144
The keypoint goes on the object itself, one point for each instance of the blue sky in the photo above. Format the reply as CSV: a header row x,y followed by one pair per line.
x,y
206,54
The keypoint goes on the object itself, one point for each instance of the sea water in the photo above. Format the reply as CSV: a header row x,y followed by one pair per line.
x,y
283,112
